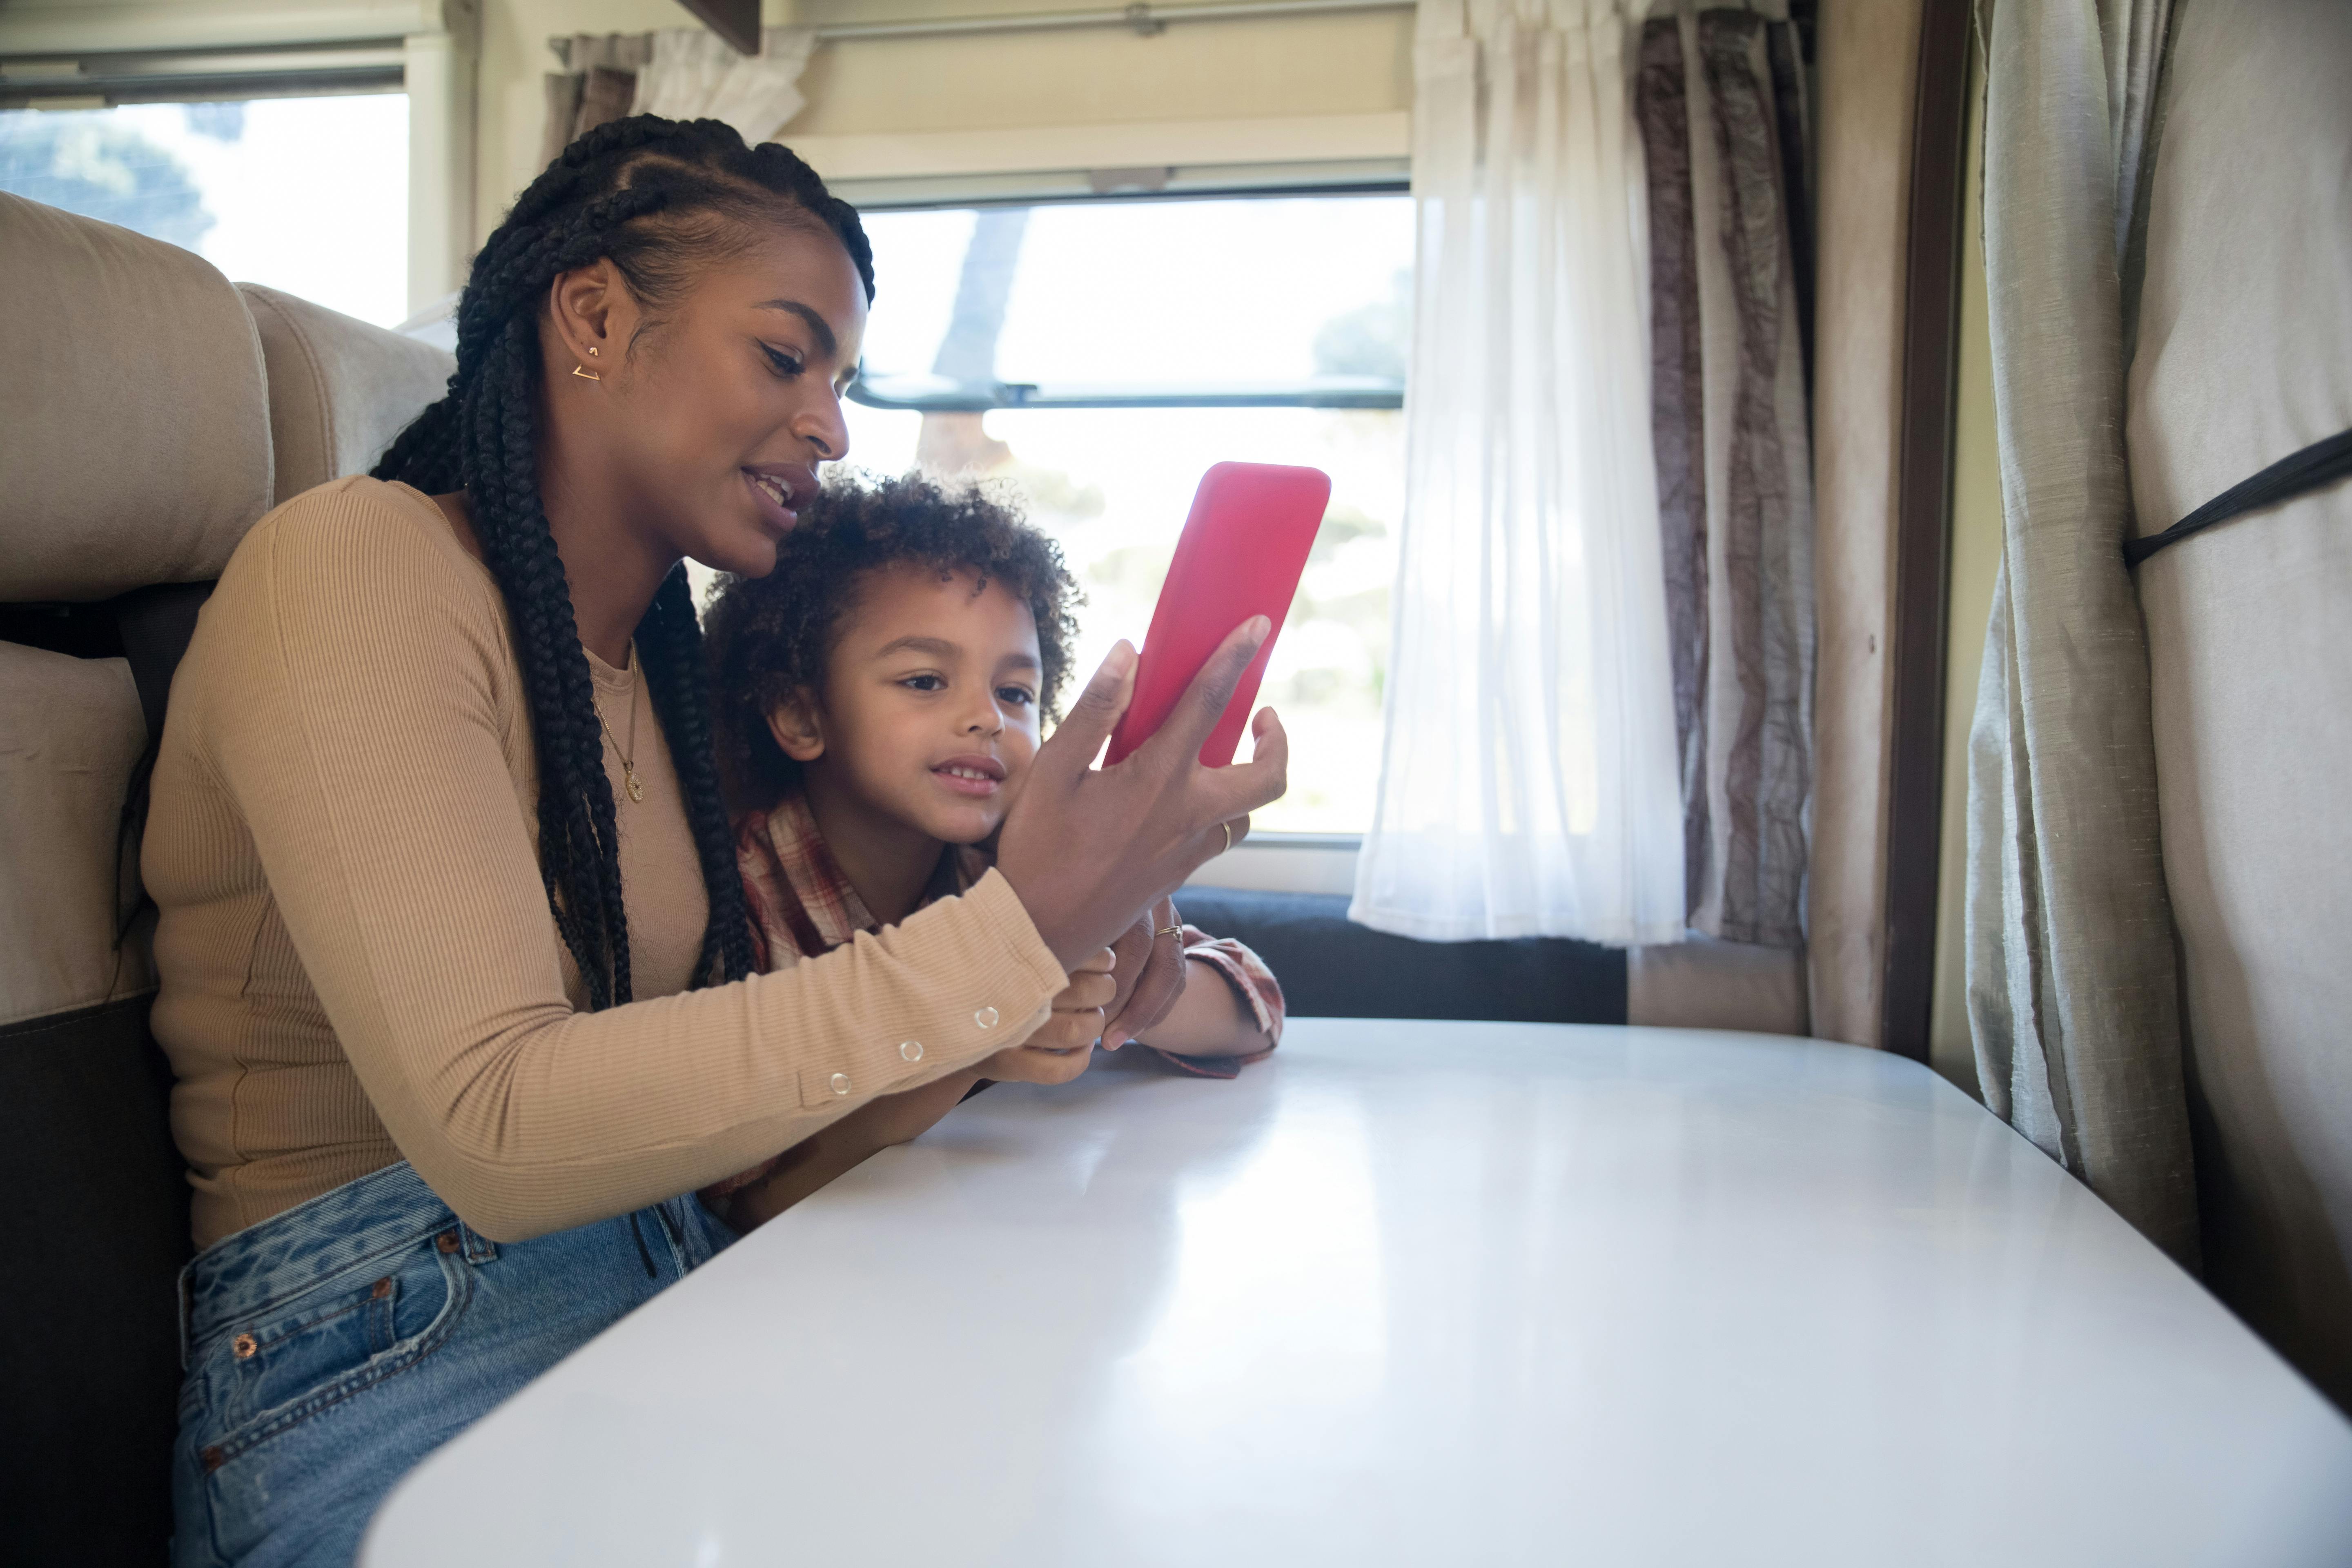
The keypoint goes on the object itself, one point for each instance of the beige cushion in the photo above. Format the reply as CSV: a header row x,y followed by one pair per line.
x,y
340,390
69,735
2244,317
134,431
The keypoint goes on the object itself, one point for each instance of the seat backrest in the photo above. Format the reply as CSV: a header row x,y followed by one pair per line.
x,y
1332,968
340,390
149,412
135,451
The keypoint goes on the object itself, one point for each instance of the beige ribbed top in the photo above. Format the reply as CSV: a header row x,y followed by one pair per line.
x,y
358,961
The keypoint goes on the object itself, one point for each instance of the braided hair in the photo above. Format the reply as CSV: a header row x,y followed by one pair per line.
x,y
660,199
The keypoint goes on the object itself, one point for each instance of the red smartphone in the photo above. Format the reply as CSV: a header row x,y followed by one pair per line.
x,y
1241,555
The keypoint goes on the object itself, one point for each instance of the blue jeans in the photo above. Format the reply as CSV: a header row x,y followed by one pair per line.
x,y
331,1348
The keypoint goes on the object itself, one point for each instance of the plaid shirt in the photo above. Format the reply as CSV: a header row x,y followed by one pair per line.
x,y
802,905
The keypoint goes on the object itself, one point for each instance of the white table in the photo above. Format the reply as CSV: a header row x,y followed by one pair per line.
x,y
1422,1294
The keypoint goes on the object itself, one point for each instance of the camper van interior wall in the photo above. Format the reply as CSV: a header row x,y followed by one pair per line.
x,y
1768,986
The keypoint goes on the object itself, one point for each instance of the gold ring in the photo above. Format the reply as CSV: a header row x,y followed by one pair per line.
x,y
1177,929
1229,835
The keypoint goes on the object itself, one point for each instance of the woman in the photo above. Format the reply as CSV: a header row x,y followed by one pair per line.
x,y
456,973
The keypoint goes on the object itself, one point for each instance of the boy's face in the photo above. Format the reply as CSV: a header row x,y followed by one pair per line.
x,y
929,716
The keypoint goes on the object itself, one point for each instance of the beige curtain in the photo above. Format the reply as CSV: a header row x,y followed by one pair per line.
x,y
2240,359
2071,990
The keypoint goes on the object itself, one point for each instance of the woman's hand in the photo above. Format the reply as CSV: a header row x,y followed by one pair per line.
x,y
1090,849
1153,950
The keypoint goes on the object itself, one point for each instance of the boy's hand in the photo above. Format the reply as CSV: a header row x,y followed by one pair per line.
x,y
1064,1045
1080,1010
1031,1064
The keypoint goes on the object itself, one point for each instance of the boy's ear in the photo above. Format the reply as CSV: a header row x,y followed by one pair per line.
x,y
798,728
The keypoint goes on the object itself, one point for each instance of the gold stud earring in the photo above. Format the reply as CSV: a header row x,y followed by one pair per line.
x,y
592,350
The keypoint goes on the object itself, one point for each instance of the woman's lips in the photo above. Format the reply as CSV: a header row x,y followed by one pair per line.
x,y
780,490
974,775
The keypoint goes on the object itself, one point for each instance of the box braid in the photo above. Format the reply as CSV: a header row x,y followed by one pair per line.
x,y
659,198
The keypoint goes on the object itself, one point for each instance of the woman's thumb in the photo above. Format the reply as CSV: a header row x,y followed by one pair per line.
x,y
1097,711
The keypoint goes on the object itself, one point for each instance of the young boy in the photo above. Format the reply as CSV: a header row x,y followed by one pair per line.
x,y
878,698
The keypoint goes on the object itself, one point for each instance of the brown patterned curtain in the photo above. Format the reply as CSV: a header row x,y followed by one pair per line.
x,y
1722,104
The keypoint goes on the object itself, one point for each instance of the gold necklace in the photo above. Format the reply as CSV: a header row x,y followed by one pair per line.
x,y
629,763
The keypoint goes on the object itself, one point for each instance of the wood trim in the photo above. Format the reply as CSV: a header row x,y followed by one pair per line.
x,y
1924,525
1138,144
736,21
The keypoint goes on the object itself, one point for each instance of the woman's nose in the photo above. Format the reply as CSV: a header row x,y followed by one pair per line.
x,y
823,426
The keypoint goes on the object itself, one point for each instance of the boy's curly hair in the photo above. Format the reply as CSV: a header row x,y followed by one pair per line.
x,y
767,637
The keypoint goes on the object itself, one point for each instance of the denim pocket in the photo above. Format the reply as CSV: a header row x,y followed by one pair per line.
x,y
267,1377
247,1446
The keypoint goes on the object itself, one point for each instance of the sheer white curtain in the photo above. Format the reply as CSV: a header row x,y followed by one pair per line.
x,y
698,75
1529,785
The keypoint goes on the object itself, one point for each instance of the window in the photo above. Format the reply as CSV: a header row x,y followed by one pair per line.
x,y
1097,356
308,194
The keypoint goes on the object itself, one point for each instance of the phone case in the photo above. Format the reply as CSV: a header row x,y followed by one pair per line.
x,y
1243,550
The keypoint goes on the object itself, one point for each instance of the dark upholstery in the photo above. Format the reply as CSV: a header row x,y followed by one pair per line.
x,y
1332,968
90,1348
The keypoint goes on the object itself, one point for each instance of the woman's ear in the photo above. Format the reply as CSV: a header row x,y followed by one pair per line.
x,y
798,728
593,314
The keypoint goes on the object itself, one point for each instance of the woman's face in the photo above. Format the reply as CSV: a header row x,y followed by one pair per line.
x,y
712,414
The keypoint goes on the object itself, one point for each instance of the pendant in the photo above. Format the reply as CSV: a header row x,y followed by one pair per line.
x,y
637,790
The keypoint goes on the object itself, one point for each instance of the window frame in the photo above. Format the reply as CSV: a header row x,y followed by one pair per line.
x,y
1156,187
159,51
1290,862
225,74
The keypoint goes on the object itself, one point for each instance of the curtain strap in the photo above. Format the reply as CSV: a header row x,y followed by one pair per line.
x,y
2321,463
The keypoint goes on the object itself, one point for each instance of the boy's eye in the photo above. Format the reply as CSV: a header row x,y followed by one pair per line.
x,y
1019,696
780,362
924,683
